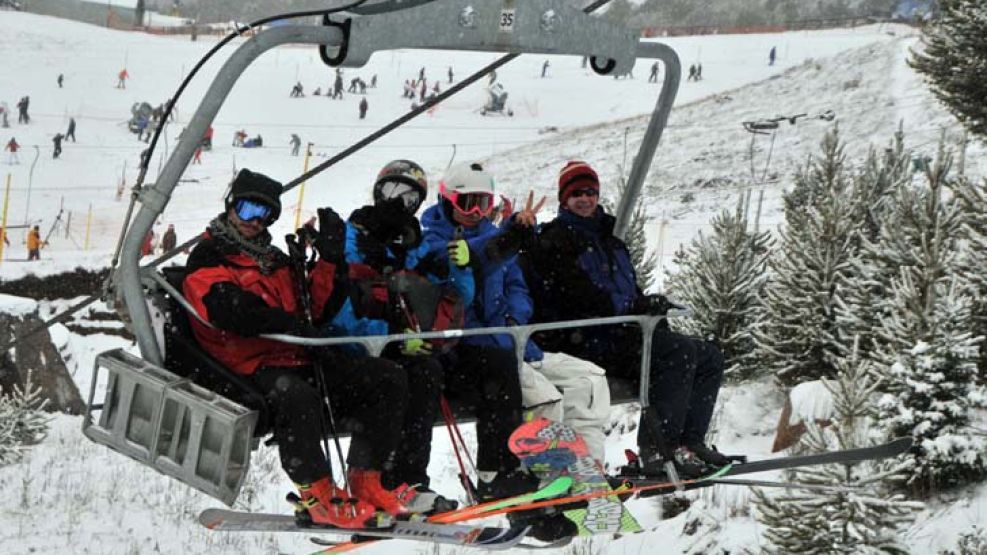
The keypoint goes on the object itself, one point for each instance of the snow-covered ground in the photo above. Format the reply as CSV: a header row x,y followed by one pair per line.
x,y
70,495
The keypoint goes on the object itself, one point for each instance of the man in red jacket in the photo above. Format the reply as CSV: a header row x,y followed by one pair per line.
x,y
244,286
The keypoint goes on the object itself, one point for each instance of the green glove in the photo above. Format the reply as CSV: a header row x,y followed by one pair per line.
x,y
415,347
459,252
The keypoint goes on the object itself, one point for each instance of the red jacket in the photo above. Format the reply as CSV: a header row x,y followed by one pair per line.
x,y
229,290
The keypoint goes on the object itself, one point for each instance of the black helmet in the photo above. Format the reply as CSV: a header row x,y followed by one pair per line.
x,y
259,187
401,171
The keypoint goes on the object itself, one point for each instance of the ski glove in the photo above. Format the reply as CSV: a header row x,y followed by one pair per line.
x,y
374,252
330,241
415,347
656,305
459,252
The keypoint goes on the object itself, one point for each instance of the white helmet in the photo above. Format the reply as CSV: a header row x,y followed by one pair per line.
x,y
468,188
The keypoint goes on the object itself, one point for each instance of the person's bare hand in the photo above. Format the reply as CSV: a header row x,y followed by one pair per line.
x,y
529,216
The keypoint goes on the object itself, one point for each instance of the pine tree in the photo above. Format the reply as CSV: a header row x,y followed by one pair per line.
x,y
864,520
860,305
22,421
973,202
928,352
954,59
722,278
797,336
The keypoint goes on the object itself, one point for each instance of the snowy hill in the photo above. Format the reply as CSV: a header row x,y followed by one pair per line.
x,y
72,496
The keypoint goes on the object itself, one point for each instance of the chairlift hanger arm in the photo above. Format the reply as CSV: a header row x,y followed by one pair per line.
x,y
511,26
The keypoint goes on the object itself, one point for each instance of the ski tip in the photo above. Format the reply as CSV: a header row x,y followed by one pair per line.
x,y
211,518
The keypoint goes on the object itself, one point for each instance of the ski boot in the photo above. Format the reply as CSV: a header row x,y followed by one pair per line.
x,y
709,455
506,484
401,502
425,501
547,528
321,503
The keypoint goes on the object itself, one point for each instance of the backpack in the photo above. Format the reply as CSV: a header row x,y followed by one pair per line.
x,y
407,300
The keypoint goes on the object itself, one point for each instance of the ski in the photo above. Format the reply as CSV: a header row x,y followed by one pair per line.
x,y
885,450
558,487
483,537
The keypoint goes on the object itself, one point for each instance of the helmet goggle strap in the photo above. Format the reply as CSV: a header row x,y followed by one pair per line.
x,y
481,204
248,209
409,195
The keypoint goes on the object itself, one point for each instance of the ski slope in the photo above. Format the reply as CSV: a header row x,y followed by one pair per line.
x,y
36,49
72,496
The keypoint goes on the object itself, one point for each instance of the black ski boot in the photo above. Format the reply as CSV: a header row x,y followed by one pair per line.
x,y
709,455
506,484
546,528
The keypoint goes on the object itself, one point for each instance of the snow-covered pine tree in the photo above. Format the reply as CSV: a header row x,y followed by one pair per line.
x,y
859,306
797,337
721,278
928,351
864,520
23,421
973,200
953,60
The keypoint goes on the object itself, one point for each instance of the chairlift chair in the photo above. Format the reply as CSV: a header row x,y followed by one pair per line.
x,y
162,408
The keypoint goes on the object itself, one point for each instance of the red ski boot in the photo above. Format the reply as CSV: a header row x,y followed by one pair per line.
x,y
366,486
324,504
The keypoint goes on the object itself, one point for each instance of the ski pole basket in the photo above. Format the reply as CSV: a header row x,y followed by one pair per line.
x,y
170,424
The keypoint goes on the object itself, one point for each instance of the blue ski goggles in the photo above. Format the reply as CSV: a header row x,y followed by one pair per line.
x,y
247,210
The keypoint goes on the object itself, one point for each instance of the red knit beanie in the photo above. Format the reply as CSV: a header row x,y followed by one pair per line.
x,y
574,176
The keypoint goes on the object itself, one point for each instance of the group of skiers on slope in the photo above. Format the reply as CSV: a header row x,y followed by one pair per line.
x,y
385,272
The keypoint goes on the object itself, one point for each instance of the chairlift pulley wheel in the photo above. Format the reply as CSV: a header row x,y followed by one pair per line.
x,y
604,69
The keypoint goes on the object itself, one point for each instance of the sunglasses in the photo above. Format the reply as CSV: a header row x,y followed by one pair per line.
x,y
247,210
394,190
481,204
584,193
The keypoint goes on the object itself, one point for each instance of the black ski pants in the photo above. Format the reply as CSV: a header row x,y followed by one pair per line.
x,y
684,379
368,395
410,463
486,380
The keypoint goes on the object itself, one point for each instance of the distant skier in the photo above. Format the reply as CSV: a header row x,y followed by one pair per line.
x,y
544,69
317,91
147,246
337,87
421,74
373,81
450,75
354,82
583,63
169,239
22,106
692,73
772,55
239,137
363,107
296,91
61,78
34,244
57,140
493,77
296,143
423,91
122,78
699,72
653,78
4,110
197,157
70,134
12,147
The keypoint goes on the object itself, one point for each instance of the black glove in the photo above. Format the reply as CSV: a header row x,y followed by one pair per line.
x,y
330,239
655,305
374,252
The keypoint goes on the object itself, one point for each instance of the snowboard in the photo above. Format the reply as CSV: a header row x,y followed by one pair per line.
x,y
550,449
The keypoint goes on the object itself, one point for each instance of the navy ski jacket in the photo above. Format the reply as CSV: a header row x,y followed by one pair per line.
x,y
501,291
